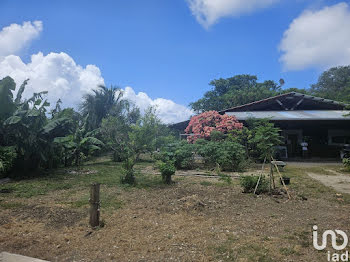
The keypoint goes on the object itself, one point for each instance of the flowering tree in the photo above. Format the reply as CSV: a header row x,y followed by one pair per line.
x,y
202,125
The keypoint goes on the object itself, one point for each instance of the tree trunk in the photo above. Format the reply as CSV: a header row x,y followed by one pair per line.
x,y
168,179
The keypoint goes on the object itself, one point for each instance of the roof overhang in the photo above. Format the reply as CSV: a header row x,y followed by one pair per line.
x,y
293,115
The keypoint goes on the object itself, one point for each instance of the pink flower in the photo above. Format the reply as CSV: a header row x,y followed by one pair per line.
x,y
203,124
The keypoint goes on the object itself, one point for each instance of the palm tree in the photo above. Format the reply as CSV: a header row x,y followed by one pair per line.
x,y
100,103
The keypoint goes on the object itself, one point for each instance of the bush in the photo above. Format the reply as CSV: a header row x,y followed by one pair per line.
x,y
128,170
180,153
184,156
249,183
346,163
7,157
225,178
167,169
230,156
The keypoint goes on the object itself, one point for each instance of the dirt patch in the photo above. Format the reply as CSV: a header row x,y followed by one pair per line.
x,y
313,164
56,217
338,181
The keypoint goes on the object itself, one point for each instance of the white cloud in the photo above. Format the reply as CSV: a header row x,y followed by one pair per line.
x,y
14,37
167,110
63,78
317,39
56,73
207,12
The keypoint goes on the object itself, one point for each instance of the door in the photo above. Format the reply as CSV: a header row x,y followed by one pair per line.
x,y
293,147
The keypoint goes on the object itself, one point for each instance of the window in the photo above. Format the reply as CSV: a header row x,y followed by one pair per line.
x,y
340,139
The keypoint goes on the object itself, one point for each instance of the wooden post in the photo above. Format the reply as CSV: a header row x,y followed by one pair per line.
x,y
95,205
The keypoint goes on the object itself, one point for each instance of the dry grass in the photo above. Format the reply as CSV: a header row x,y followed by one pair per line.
x,y
195,219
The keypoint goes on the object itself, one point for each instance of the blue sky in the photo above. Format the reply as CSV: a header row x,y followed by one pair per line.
x,y
161,48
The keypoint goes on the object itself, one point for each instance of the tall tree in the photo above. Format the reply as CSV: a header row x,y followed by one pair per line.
x,y
333,84
233,91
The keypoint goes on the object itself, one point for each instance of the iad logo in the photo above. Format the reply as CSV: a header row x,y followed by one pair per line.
x,y
333,235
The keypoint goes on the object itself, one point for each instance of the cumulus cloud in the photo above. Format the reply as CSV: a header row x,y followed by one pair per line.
x,y
167,110
207,12
14,37
62,77
317,39
56,73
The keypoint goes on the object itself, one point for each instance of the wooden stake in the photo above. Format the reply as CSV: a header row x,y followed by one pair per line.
x,y
284,185
273,178
94,205
270,177
262,170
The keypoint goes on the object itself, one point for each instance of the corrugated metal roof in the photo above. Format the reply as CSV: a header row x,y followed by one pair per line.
x,y
294,115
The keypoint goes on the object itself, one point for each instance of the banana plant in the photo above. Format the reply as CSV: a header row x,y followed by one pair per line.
x,y
78,146
27,128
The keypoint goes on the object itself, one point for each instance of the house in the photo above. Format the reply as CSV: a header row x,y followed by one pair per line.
x,y
324,124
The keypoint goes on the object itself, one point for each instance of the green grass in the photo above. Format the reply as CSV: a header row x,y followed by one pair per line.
x,y
288,251
206,183
104,172
10,205
109,201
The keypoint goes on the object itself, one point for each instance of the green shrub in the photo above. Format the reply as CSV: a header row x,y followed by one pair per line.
x,y
7,157
346,163
128,170
180,153
217,135
184,155
230,156
249,183
167,169
225,178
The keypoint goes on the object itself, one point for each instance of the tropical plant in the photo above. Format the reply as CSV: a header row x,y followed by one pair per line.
x,y
7,158
100,103
264,138
29,131
167,169
7,105
78,146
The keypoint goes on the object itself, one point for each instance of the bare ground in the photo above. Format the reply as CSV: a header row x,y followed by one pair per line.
x,y
338,181
196,219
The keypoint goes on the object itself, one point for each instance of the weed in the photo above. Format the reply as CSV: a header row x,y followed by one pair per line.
x,y
11,205
206,183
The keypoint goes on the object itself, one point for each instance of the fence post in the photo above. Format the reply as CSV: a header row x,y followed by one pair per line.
x,y
95,205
